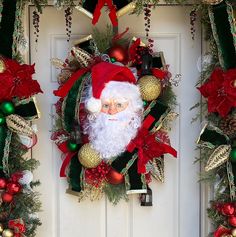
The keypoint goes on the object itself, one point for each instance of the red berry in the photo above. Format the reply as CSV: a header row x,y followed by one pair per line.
x,y
7,197
232,221
3,183
13,188
227,209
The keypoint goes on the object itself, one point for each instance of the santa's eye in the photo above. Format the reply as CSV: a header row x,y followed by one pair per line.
x,y
105,106
119,105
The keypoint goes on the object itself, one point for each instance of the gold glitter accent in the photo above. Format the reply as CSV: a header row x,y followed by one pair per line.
x,y
7,233
2,66
219,156
84,39
83,57
129,8
19,125
150,87
212,2
88,157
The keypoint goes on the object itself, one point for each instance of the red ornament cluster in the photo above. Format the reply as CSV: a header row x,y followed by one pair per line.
x,y
18,226
103,173
9,188
96,176
228,210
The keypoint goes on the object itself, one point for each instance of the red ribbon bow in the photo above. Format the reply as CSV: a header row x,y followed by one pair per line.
x,y
158,73
112,14
18,226
65,88
148,146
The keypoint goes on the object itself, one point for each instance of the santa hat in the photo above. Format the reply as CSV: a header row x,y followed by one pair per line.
x,y
102,74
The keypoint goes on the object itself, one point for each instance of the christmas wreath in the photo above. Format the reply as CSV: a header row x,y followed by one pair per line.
x,y
19,204
115,103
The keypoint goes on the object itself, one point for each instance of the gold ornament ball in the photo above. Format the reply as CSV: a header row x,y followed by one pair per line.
x,y
7,233
150,87
233,232
88,157
2,66
1,228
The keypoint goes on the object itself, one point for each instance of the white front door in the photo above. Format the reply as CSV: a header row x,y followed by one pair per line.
x,y
176,203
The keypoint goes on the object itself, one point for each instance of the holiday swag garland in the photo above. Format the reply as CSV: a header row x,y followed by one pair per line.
x,y
218,136
18,202
115,103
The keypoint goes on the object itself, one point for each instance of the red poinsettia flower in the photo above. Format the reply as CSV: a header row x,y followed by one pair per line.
x,y
220,91
16,81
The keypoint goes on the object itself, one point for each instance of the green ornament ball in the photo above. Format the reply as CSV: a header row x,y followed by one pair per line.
x,y
72,146
113,60
2,119
233,155
145,103
7,108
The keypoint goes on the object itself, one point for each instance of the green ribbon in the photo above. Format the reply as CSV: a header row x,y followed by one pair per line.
x,y
75,174
7,27
27,109
222,27
211,136
70,105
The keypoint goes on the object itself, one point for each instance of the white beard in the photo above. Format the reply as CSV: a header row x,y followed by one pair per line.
x,y
110,134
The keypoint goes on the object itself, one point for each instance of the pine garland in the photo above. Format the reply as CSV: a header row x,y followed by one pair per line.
x,y
115,193
221,178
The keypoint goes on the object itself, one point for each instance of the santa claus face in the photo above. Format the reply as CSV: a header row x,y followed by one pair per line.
x,y
112,128
114,106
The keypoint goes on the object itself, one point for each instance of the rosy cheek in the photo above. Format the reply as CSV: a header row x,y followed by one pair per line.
x,y
104,110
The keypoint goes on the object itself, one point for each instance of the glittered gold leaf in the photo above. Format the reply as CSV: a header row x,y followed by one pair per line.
x,y
212,2
2,66
219,156
19,125
82,56
90,192
157,169
57,63
170,117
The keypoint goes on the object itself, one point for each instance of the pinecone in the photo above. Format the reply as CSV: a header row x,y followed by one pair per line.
x,y
228,125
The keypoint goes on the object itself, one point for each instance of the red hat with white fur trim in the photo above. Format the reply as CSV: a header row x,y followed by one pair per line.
x,y
103,73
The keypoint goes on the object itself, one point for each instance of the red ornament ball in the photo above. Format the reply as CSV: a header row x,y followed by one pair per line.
x,y
114,177
7,197
227,209
3,183
118,53
13,188
232,221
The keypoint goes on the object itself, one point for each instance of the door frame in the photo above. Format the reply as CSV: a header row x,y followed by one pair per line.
x,y
206,191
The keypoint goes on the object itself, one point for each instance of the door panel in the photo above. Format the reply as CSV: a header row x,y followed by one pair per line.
x,y
176,204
